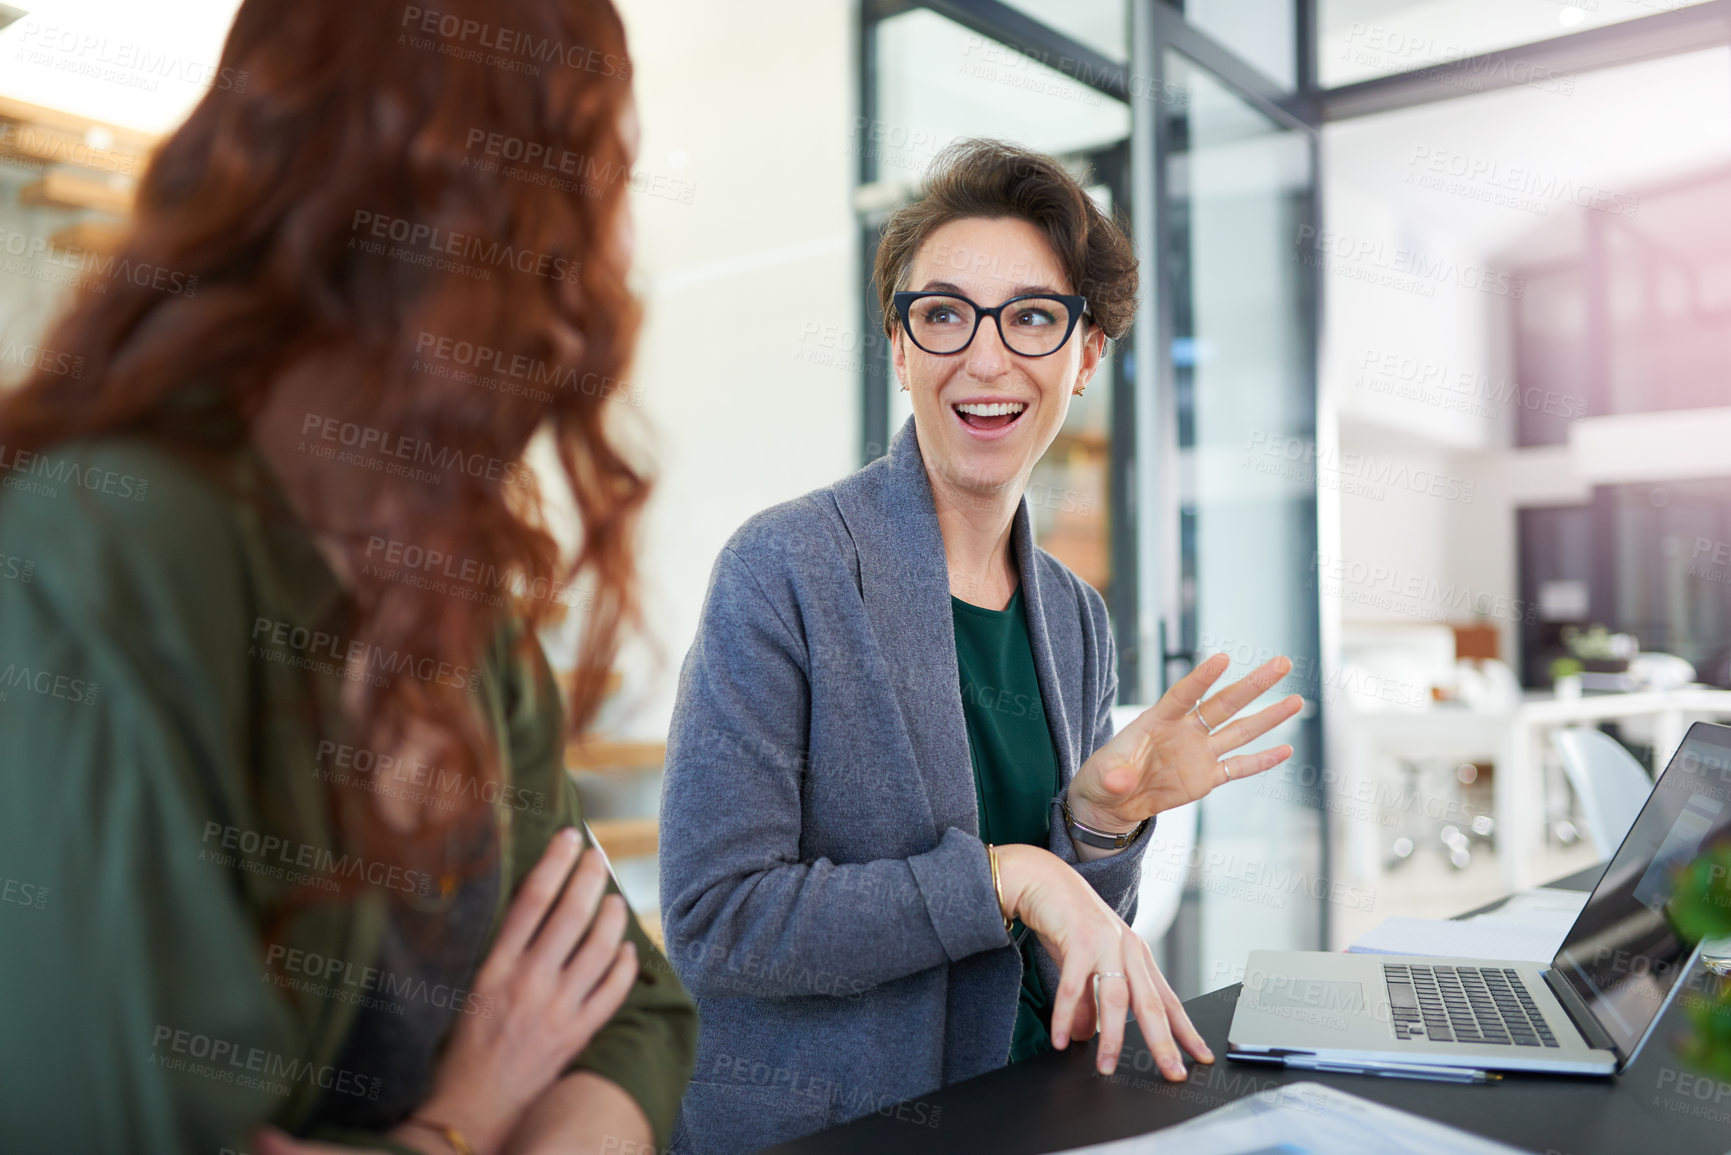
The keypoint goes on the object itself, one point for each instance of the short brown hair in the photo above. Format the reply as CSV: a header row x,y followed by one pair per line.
x,y
991,179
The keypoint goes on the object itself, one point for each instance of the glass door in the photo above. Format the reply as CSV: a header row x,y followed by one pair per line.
x,y
1236,193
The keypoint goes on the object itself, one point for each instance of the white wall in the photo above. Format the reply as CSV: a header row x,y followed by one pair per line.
x,y
141,66
1419,367
1415,358
746,383
748,363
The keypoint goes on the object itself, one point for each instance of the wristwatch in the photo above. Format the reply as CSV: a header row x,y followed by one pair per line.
x,y
1099,839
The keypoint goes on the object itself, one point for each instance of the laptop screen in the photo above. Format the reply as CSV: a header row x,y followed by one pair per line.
x,y
1623,956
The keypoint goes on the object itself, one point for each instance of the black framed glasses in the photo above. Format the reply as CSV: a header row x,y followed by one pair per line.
x,y
1030,326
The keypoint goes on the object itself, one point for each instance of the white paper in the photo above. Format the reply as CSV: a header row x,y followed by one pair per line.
x,y
1305,1119
1541,906
1529,927
1467,938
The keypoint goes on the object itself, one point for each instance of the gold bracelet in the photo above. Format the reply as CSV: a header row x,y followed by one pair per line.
x,y
998,885
446,1132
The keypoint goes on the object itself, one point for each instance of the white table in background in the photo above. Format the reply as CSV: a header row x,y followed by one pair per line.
x,y
1518,792
1512,741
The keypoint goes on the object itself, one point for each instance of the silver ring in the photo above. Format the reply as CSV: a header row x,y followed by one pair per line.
x,y
1227,770
1098,975
1196,712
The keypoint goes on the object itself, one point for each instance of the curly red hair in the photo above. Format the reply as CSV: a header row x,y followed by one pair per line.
x,y
332,116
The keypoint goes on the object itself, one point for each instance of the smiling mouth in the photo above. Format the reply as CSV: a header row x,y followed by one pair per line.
x,y
990,416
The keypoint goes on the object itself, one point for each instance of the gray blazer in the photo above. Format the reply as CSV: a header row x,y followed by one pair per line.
x,y
824,891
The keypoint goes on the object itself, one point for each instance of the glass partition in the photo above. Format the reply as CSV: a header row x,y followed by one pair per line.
x,y
1238,194
1102,25
1265,35
937,82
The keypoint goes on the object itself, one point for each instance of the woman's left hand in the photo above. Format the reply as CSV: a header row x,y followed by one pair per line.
x,y
1172,752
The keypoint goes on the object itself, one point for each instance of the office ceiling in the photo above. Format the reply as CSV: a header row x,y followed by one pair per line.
x,y
1359,39
1511,162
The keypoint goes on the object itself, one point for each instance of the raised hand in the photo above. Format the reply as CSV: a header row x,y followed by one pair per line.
x,y
1173,752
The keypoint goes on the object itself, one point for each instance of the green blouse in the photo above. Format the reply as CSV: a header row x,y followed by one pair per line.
x,y
1015,765
165,654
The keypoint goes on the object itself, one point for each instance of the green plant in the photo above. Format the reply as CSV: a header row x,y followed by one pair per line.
x,y
1701,910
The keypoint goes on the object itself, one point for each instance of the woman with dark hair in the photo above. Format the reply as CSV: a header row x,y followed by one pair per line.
x,y
280,755
892,753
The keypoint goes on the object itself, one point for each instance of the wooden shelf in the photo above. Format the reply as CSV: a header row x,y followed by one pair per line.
x,y
114,138
70,189
628,837
1090,441
650,921
90,237
84,164
602,756
567,679
34,144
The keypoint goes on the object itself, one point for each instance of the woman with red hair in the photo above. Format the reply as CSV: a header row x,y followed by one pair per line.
x,y
280,757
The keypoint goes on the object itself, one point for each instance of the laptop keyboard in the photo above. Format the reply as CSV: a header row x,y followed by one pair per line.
x,y
1464,1004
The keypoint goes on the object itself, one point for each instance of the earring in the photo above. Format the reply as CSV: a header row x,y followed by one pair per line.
x,y
1078,391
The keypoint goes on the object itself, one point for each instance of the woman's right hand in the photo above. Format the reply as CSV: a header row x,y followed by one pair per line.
x,y
1084,936
557,973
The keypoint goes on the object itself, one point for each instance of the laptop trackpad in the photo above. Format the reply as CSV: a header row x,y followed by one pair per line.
x,y
1318,994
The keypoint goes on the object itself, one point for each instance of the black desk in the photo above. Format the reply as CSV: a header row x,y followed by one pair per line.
x,y
1057,1101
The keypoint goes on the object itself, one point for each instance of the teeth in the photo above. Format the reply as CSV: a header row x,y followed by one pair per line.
x,y
996,409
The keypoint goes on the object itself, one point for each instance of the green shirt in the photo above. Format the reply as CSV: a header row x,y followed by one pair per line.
x,y
165,781
1015,765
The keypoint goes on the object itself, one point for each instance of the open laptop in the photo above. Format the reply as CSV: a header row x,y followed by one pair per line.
x,y
1588,1013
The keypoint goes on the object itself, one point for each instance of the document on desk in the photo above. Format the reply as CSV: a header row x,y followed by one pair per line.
x,y
1529,927
1304,1119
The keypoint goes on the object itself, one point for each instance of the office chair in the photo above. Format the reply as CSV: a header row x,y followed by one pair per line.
x,y
1611,785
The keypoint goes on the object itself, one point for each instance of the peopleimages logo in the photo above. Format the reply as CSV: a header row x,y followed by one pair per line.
x,y
16,569
77,50
273,856
503,47
1459,390
1711,560
285,642
43,358
1409,270
1383,586
36,148
431,242
345,765
46,683
1514,186
41,473
484,359
1379,46
245,1066
398,455
555,167
342,979
1352,472
89,269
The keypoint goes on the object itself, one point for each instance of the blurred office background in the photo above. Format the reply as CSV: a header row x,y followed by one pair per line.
x,y
1428,390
